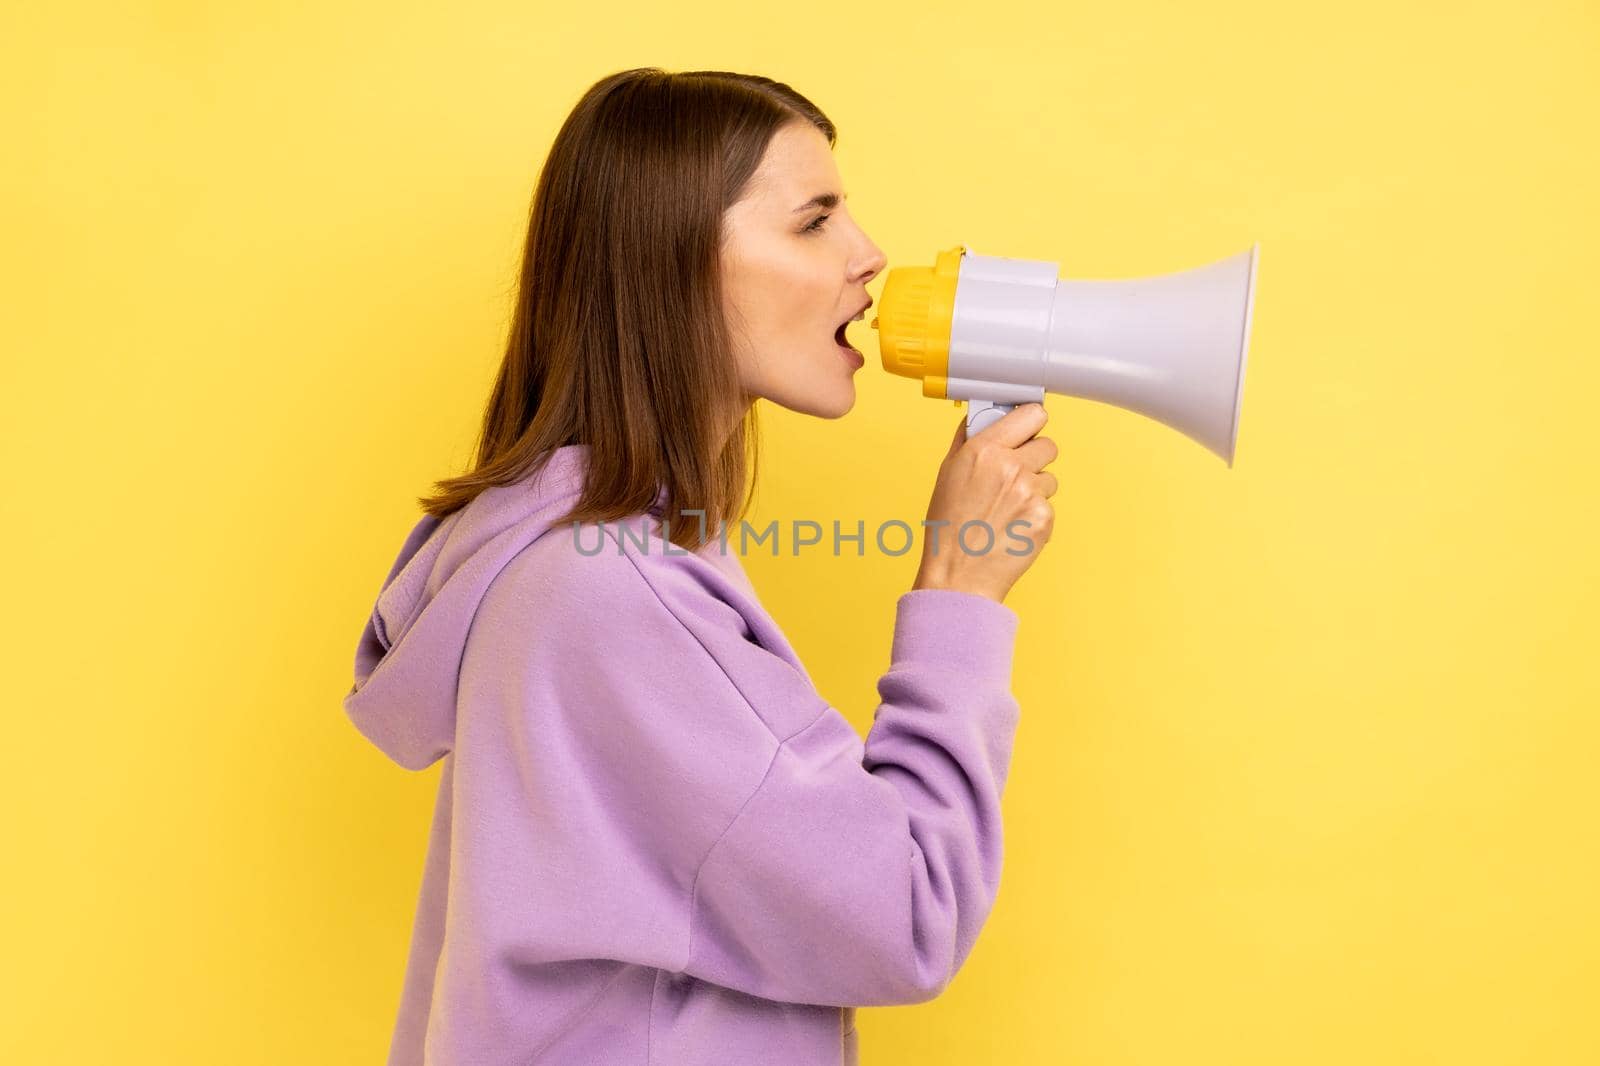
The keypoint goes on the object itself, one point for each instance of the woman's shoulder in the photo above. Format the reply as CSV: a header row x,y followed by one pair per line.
x,y
611,597
624,570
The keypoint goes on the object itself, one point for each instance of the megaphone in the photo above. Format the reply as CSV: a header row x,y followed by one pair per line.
x,y
997,332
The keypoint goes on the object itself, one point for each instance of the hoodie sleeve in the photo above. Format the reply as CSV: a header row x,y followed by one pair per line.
x,y
752,839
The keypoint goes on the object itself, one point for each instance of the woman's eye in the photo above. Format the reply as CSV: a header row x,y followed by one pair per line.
x,y
816,226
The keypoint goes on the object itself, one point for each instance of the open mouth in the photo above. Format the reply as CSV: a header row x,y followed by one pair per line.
x,y
842,340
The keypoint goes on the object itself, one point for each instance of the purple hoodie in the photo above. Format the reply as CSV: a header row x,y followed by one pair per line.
x,y
655,844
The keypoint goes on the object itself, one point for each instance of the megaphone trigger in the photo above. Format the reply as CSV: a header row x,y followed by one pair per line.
x,y
982,413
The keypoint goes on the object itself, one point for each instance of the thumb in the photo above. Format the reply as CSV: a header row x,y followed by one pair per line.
x,y
960,437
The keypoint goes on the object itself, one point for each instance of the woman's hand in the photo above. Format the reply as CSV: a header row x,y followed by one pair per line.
x,y
995,480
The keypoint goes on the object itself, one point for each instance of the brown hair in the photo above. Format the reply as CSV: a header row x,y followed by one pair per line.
x,y
618,340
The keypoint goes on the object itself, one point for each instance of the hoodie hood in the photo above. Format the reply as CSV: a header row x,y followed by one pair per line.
x,y
408,661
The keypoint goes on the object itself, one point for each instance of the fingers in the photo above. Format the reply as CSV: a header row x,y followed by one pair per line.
x,y
1044,484
1037,453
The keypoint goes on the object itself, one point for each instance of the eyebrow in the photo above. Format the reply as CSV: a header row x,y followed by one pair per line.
x,y
826,199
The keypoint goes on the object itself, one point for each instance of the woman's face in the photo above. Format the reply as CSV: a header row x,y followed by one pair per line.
x,y
792,272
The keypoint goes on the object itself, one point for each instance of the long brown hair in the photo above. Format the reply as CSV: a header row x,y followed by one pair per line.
x,y
618,340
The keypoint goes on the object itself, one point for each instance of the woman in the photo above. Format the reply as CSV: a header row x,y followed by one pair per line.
x,y
654,842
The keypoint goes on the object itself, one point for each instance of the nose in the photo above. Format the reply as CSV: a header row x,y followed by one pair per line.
x,y
874,264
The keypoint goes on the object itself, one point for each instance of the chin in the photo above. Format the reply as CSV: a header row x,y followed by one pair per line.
x,y
820,397
833,405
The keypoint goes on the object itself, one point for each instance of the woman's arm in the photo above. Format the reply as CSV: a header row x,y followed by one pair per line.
x,y
862,874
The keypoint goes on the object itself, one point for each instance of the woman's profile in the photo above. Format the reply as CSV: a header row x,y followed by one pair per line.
x,y
655,842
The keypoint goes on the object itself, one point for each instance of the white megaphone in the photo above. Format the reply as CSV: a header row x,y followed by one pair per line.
x,y
997,332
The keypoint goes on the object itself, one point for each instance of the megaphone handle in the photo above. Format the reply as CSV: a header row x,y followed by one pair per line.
x,y
981,413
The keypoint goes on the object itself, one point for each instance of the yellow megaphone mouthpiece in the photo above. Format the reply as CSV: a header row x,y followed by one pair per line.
x,y
914,318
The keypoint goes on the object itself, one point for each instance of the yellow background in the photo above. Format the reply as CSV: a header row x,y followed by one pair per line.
x,y
1307,765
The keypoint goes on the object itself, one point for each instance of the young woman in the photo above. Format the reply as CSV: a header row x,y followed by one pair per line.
x,y
655,843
